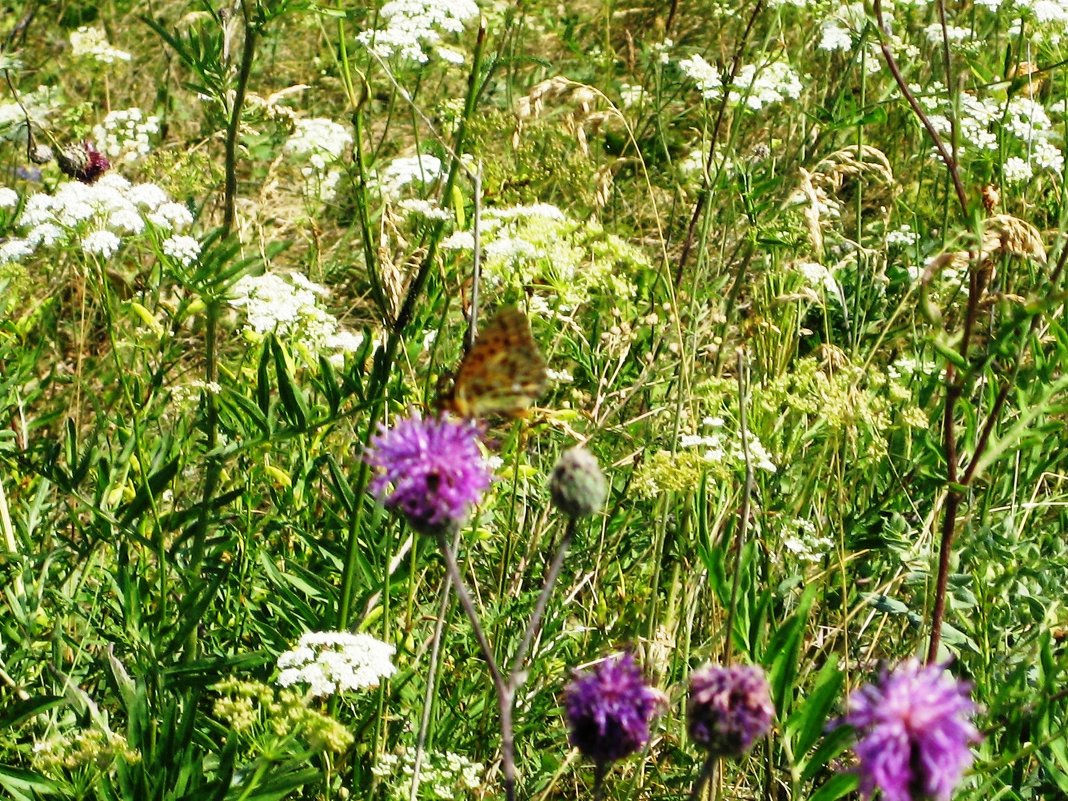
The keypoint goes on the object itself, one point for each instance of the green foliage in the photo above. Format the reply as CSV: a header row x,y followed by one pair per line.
x,y
757,306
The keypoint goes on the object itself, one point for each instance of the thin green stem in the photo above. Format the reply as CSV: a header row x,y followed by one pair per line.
x,y
707,774
743,520
248,53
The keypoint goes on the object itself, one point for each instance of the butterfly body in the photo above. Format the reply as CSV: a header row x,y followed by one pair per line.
x,y
502,374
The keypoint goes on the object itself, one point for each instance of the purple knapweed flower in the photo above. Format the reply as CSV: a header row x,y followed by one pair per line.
x,y
729,708
83,162
610,708
915,732
432,471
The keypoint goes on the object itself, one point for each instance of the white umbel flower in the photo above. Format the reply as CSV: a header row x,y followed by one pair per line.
x,y
411,24
101,243
405,170
336,661
181,248
93,43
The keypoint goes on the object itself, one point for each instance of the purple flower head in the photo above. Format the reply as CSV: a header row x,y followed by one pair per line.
x,y
915,732
431,471
729,708
83,162
609,709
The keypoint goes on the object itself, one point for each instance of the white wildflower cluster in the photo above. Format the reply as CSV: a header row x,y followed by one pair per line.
x,y
758,87
844,27
442,776
818,277
319,145
92,43
902,237
800,540
834,36
38,103
1051,15
336,661
694,162
98,217
9,198
183,249
755,87
725,447
906,367
539,245
126,135
955,34
413,25
987,125
630,95
706,76
406,170
288,306
426,209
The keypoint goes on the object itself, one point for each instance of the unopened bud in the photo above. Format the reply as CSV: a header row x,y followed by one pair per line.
x,y
82,162
41,154
578,487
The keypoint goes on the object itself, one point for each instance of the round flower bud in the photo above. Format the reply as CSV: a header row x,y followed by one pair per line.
x,y
41,154
577,485
729,708
82,161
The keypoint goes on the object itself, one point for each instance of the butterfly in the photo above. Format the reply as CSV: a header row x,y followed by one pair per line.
x,y
503,373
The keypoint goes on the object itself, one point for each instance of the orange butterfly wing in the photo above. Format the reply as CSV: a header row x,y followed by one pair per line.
x,y
503,373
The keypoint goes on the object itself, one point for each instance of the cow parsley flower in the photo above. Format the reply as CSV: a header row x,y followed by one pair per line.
x,y
610,708
729,708
92,43
14,250
126,135
411,24
336,661
403,171
756,87
100,215
708,79
1016,170
183,249
759,87
9,198
443,775
431,471
835,37
101,243
319,140
915,733
288,307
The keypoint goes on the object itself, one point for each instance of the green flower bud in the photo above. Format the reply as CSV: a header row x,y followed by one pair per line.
x,y
578,487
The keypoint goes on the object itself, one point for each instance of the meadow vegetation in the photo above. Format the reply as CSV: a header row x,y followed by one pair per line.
x,y
796,269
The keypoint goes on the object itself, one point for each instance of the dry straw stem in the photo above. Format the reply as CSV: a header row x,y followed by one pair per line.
x,y
1002,235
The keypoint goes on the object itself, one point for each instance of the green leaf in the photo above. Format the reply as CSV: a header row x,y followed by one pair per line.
x,y
293,402
836,787
15,780
784,648
834,743
18,712
810,719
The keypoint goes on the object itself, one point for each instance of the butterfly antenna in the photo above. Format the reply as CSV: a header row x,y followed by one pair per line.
x,y
476,257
